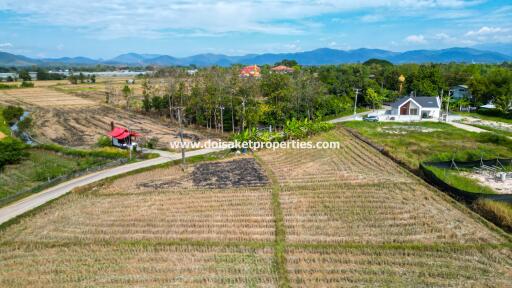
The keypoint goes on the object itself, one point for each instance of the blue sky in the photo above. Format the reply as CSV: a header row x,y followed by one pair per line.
x,y
104,29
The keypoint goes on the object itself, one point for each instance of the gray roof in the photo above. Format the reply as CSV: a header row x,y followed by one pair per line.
x,y
425,102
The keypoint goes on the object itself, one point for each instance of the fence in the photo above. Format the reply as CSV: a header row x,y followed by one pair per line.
x,y
62,178
467,196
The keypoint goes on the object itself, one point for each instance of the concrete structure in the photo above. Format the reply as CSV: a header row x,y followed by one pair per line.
x,y
282,69
250,71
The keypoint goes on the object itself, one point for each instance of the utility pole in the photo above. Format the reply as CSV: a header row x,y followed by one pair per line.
x,y
243,114
355,101
221,107
180,108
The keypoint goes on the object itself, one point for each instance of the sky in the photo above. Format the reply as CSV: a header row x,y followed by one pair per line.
x,y
107,28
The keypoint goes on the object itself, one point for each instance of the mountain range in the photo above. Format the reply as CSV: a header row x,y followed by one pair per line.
x,y
320,56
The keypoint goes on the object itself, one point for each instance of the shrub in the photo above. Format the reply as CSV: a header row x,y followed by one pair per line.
x,y
497,212
489,137
152,142
12,151
26,84
104,141
25,124
12,113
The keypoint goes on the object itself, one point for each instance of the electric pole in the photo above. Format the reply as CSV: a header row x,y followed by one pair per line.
x,y
180,108
355,101
221,107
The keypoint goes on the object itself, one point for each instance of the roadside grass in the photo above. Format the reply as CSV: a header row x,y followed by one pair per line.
x,y
443,142
452,178
4,126
499,212
491,129
485,117
41,166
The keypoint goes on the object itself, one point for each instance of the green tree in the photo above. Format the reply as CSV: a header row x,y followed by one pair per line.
x,y
24,75
11,113
12,151
374,98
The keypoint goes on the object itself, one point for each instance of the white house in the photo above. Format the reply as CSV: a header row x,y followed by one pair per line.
x,y
415,109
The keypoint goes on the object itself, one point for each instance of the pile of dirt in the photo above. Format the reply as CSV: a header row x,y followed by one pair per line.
x,y
235,173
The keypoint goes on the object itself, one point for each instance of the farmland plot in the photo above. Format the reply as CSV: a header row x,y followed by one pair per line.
x,y
42,97
355,194
135,265
328,218
399,267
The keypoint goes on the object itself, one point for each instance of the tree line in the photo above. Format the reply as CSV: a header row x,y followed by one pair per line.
x,y
216,97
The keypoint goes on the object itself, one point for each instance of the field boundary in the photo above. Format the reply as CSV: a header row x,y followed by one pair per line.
x,y
280,240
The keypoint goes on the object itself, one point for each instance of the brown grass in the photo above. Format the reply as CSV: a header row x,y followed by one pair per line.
x,y
135,266
355,194
42,97
498,212
385,267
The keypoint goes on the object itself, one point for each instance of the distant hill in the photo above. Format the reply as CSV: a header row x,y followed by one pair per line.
x,y
321,56
503,48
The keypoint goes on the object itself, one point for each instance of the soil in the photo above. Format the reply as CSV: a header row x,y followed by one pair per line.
x,y
406,129
244,172
2,135
501,187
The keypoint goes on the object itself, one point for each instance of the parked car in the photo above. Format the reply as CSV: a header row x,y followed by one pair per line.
x,y
371,118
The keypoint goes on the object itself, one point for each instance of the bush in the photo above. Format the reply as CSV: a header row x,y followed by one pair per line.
x,y
6,86
12,113
104,141
26,84
499,213
296,129
25,125
494,113
12,151
488,137
152,142
106,152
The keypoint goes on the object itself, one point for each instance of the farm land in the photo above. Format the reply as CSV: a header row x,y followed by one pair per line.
x,y
348,217
76,115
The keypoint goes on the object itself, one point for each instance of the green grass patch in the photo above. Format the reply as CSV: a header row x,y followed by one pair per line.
x,y
497,212
485,117
413,143
4,126
454,179
492,129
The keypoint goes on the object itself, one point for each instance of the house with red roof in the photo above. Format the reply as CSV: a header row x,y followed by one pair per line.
x,y
122,137
250,71
282,69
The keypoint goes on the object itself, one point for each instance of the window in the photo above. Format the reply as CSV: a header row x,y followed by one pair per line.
x,y
413,111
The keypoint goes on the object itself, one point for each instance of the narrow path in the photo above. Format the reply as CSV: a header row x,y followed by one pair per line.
x,y
280,240
26,204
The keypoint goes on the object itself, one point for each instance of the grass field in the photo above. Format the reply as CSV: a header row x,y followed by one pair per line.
x,y
40,166
485,117
321,218
413,143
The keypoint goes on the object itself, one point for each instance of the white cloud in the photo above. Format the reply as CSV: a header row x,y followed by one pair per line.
x,y
485,31
416,39
5,45
154,19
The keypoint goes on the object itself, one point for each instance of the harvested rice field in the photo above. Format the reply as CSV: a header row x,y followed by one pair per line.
x,y
42,97
74,121
287,218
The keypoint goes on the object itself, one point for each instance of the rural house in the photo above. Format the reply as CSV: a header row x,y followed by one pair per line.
x,y
282,69
411,108
250,71
122,137
460,92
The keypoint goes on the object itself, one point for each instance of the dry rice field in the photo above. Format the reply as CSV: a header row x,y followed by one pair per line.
x,y
303,218
75,121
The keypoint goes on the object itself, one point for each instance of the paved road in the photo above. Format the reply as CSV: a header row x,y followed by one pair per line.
x,y
467,127
26,204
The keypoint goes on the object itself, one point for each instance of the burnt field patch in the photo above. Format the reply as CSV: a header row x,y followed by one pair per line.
x,y
234,173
